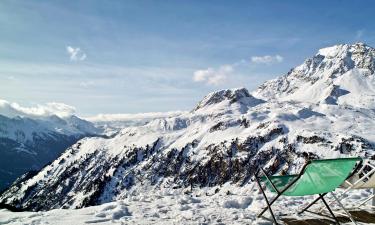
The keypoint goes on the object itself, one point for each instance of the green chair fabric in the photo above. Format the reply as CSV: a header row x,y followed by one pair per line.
x,y
320,176
279,181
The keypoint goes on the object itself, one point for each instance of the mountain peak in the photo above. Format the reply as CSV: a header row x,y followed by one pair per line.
x,y
335,50
327,66
347,56
231,95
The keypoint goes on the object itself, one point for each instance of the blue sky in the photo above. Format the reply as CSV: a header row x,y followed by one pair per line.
x,y
147,56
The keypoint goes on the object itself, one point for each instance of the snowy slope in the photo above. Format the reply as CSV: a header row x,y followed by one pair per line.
x,y
342,74
222,140
28,142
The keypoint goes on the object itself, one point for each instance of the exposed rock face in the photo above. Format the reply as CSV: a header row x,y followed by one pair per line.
x,y
224,139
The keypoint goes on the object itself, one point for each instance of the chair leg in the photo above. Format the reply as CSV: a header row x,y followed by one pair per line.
x,y
312,203
329,209
268,204
342,206
365,201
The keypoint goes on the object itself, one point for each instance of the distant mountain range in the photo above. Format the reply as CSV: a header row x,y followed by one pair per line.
x,y
324,107
28,143
113,123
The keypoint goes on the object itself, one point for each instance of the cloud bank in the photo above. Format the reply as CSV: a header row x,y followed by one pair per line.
x,y
217,76
13,109
213,76
87,84
136,116
359,34
75,54
267,59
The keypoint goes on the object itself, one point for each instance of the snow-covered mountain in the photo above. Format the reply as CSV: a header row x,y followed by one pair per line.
x,y
342,74
28,142
111,124
323,107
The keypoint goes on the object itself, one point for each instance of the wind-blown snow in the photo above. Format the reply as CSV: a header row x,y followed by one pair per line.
x,y
330,51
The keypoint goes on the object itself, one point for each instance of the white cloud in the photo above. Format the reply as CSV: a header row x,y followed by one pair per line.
x,y
75,54
12,109
359,34
87,84
267,59
213,76
136,116
217,76
11,77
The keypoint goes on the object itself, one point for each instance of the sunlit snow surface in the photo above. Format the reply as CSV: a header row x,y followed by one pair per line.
x,y
231,205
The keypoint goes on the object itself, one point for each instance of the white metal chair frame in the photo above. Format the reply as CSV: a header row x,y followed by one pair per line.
x,y
367,181
355,182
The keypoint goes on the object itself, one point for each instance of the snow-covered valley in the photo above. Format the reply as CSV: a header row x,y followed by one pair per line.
x,y
196,167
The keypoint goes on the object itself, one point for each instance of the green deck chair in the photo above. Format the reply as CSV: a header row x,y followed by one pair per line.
x,y
316,177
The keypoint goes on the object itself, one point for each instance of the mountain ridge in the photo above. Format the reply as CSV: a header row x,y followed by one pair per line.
x,y
321,72
222,140
28,143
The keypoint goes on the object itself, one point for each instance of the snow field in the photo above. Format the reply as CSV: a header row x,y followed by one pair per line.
x,y
230,205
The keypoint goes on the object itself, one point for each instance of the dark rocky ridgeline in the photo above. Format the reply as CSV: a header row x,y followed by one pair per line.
x,y
18,158
90,174
87,174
